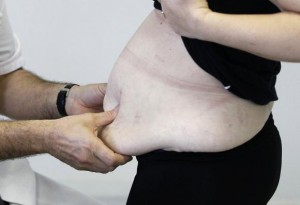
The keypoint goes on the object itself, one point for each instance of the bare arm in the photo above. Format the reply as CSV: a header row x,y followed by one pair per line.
x,y
287,5
73,139
24,95
21,138
273,36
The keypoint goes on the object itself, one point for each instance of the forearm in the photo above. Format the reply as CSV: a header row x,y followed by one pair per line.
x,y
26,96
21,138
274,36
73,140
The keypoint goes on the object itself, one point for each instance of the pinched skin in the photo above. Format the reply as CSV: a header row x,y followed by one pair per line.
x,y
168,102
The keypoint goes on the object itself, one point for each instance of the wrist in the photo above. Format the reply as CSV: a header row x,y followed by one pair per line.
x,y
63,102
212,26
43,129
23,138
202,24
49,135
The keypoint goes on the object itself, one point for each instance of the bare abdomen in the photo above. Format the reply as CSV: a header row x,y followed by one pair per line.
x,y
168,102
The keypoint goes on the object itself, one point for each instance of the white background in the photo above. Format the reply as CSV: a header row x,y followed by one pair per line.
x,y
79,41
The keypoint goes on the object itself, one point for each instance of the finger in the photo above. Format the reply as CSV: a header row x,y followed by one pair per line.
x,y
105,160
102,88
87,161
117,160
106,155
105,118
99,166
122,159
95,165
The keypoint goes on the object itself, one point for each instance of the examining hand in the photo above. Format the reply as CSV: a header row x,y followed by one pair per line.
x,y
74,140
86,99
186,16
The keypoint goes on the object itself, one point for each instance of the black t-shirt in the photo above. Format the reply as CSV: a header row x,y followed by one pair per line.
x,y
245,75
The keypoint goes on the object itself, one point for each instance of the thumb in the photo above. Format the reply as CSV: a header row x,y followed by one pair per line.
x,y
105,118
102,88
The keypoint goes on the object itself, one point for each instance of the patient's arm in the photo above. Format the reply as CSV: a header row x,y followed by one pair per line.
x,y
273,36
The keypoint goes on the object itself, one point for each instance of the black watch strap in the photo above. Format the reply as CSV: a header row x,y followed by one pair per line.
x,y
61,99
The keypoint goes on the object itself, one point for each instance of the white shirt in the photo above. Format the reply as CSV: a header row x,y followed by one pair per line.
x,y
17,180
19,184
10,49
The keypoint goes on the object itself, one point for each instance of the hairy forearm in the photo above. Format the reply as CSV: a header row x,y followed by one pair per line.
x,y
73,140
21,138
26,96
274,36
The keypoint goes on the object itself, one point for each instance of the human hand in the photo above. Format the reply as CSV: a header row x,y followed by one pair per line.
x,y
73,140
186,17
86,99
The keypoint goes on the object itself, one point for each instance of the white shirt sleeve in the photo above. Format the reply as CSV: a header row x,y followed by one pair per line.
x,y
10,48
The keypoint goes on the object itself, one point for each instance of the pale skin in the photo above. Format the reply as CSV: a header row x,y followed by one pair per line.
x,y
74,139
167,102
273,36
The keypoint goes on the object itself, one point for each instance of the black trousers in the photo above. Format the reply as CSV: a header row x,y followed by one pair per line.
x,y
246,175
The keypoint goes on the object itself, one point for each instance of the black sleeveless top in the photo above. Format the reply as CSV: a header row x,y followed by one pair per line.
x,y
245,75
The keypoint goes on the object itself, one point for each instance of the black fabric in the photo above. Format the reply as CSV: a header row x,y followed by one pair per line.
x,y
3,202
246,175
62,99
249,76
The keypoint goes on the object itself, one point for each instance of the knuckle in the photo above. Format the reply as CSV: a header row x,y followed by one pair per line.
x,y
104,171
110,169
110,161
79,167
82,159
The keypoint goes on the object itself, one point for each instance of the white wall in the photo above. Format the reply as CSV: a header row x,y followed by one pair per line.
x,y
79,41
286,114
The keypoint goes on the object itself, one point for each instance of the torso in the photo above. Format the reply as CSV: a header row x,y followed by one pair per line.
x,y
168,102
